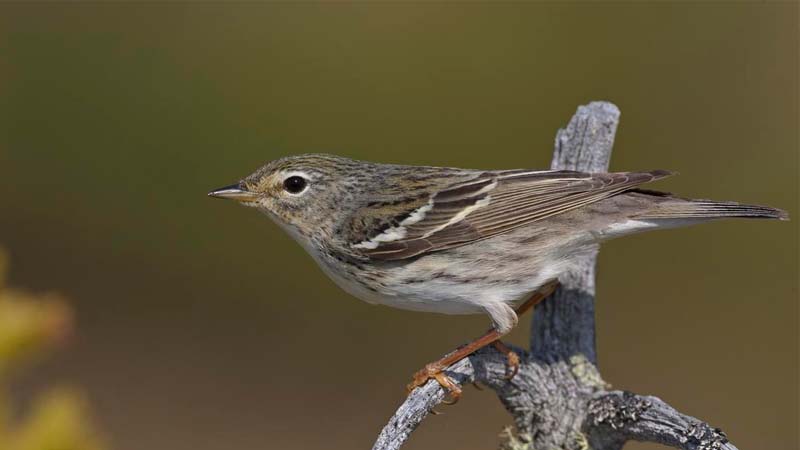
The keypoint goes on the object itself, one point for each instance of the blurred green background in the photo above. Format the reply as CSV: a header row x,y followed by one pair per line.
x,y
200,325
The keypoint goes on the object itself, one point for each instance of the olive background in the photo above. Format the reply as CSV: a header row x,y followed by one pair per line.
x,y
202,326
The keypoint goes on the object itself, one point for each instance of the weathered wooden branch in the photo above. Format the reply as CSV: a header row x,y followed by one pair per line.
x,y
558,399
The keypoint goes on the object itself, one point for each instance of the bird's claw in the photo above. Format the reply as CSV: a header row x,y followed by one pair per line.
x,y
435,371
511,357
513,365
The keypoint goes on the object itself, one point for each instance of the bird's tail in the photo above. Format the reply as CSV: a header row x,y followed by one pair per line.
x,y
701,210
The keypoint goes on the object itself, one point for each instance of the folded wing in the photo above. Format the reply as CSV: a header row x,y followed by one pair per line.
x,y
494,203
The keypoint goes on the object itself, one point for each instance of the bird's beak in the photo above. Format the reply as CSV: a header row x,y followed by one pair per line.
x,y
234,192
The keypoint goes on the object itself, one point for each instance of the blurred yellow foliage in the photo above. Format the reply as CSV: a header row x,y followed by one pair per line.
x,y
58,419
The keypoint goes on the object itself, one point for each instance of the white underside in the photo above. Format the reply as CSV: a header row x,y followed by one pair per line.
x,y
452,296
446,296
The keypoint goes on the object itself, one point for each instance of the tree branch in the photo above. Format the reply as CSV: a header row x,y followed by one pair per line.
x,y
558,398
418,405
563,325
619,416
485,366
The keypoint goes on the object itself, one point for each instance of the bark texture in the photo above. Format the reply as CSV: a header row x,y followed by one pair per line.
x,y
558,400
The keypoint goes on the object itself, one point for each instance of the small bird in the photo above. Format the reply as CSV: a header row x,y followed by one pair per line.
x,y
460,241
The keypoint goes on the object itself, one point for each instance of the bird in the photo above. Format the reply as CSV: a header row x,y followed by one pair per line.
x,y
460,241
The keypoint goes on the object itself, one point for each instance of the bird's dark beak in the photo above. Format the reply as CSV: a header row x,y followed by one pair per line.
x,y
234,192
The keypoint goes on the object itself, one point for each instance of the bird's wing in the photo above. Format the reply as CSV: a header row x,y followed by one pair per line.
x,y
490,204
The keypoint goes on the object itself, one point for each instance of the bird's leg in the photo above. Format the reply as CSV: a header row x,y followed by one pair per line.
x,y
435,369
511,356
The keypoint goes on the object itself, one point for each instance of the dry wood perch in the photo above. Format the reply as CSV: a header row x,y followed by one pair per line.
x,y
558,400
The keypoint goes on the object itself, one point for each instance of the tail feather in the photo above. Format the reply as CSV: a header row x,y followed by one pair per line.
x,y
675,208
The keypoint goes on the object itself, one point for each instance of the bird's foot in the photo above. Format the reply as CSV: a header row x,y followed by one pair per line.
x,y
511,357
435,371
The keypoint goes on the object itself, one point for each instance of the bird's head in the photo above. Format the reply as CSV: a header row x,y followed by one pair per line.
x,y
306,194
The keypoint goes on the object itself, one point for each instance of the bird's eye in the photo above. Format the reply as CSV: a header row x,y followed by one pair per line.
x,y
294,184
